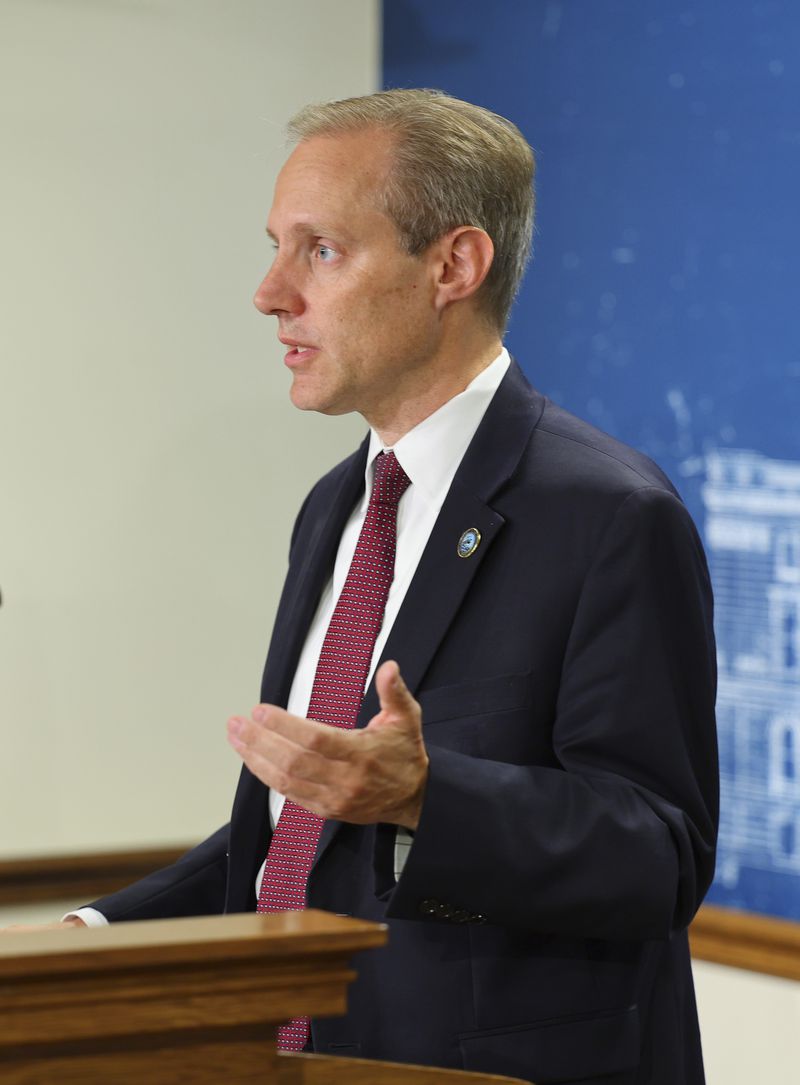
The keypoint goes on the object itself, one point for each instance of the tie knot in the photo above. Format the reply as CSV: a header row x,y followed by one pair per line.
x,y
391,481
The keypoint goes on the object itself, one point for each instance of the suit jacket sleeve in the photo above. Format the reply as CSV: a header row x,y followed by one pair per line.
x,y
194,885
616,838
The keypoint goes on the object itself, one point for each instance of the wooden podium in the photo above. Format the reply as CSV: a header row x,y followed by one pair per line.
x,y
185,1001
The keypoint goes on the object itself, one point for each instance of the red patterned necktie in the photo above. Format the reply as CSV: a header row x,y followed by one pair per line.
x,y
336,695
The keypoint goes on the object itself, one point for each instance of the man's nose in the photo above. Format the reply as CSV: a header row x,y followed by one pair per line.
x,y
276,294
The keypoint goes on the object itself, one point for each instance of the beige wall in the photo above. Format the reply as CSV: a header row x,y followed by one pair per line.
x,y
750,1025
150,463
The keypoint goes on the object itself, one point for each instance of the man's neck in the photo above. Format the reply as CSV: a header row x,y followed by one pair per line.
x,y
442,384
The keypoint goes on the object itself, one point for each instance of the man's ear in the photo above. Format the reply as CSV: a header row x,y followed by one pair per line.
x,y
465,256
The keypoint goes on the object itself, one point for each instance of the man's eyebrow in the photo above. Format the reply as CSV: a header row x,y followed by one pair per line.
x,y
310,229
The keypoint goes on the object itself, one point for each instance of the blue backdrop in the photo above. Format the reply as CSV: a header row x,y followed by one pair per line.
x,y
661,305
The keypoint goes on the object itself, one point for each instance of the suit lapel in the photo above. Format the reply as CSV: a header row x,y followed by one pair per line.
x,y
439,585
443,578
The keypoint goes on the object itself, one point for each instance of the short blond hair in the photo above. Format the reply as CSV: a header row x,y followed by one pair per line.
x,y
455,164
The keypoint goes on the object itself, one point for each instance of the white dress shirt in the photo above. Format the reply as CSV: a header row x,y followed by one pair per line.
x,y
430,454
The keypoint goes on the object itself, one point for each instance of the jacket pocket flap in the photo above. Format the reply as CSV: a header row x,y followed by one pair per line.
x,y
501,693
565,1050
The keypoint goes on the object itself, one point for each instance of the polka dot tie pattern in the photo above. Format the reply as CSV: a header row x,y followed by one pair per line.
x,y
336,695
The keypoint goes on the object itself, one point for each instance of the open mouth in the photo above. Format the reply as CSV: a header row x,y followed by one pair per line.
x,y
297,351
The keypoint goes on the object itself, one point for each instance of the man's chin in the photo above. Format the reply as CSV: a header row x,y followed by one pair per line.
x,y
314,399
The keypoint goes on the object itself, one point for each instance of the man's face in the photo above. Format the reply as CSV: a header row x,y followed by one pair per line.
x,y
356,312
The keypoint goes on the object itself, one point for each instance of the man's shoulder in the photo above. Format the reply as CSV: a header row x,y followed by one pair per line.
x,y
562,450
573,451
574,481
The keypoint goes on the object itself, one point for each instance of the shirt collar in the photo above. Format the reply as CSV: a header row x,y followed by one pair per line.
x,y
431,452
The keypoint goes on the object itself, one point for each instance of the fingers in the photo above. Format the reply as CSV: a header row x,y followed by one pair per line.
x,y
318,738
294,731
297,757
265,755
273,747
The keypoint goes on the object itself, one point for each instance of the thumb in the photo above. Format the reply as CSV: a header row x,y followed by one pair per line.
x,y
395,699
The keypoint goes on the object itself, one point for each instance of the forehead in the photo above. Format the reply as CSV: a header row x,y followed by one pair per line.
x,y
332,176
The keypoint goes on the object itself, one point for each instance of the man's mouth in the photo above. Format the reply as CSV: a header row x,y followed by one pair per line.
x,y
297,351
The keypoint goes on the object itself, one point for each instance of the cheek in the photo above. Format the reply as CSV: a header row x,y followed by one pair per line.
x,y
402,303
374,314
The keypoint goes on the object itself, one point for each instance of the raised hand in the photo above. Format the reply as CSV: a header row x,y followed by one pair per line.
x,y
374,774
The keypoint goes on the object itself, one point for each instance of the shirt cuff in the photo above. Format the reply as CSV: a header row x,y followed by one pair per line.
x,y
403,840
90,916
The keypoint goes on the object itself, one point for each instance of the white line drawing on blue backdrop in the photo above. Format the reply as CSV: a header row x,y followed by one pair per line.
x,y
752,534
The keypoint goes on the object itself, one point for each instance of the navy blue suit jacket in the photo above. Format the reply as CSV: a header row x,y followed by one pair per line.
x,y
566,674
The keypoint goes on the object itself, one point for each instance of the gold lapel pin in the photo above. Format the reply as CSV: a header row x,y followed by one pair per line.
x,y
468,543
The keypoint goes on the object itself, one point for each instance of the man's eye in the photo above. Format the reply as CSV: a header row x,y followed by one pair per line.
x,y
326,253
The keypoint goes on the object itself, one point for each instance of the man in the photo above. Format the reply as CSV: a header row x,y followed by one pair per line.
x,y
528,796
